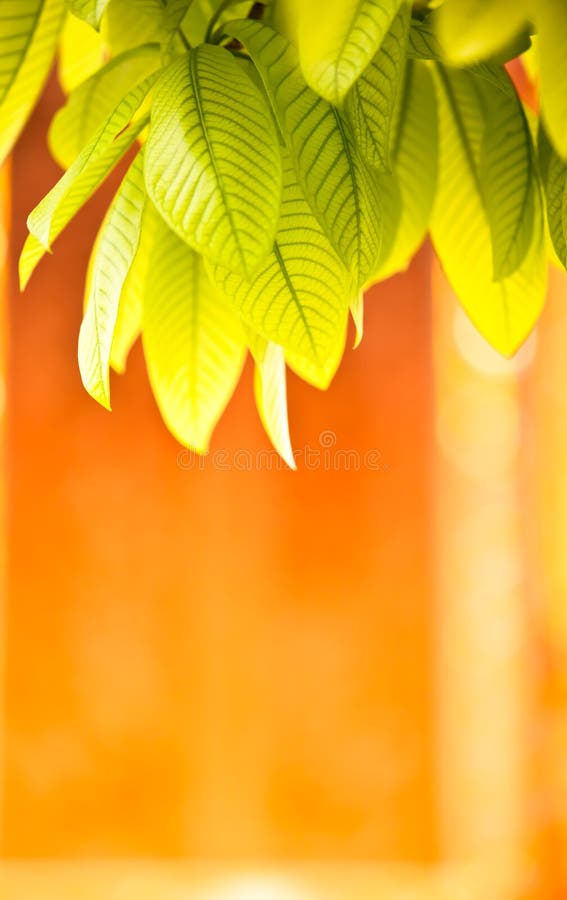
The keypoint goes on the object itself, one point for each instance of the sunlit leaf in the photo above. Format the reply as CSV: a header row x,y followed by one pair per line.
x,y
504,311
372,102
271,396
91,103
337,183
29,31
115,251
338,40
213,166
300,297
90,11
408,192
471,30
96,160
551,20
82,51
554,174
357,313
193,343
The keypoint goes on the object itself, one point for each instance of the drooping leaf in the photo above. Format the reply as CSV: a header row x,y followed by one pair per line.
x,y
129,23
337,183
506,310
96,160
372,102
91,103
423,42
90,11
338,40
271,395
300,297
507,176
29,31
554,175
193,343
213,166
471,30
408,192
357,313
82,51
115,252
551,21
130,309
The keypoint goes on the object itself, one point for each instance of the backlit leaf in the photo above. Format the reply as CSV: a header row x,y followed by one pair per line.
x,y
337,182
300,297
471,30
372,102
115,250
554,175
29,31
551,21
96,160
506,310
338,40
91,103
213,166
193,343
90,11
271,396
82,51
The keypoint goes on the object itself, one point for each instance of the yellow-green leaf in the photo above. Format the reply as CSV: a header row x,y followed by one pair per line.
x,y
271,396
213,165
554,174
82,51
29,31
114,253
193,343
91,103
90,11
551,20
470,30
337,40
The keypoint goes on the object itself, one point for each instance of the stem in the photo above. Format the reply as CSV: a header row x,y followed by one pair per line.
x,y
184,40
214,19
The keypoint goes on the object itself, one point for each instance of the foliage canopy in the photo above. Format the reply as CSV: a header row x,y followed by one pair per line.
x,y
287,156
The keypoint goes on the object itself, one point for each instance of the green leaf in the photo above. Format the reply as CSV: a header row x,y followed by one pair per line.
x,y
504,311
96,160
130,309
300,297
551,20
82,51
213,166
193,343
129,23
507,177
271,395
554,175
423,42
338,40
408,192
337,182
114,254
91,103
29,31
372,102
471,30
90,11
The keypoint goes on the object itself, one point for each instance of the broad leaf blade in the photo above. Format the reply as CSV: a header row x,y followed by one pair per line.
x,y
338,40
554,175
193,343
92,102
551,20
471,30
504,311
90,11
299,299
81,52
55,211
213,166
115,251
337,183
29,31
372,102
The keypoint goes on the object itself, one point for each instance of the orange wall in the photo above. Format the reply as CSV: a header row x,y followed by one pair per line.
x,y
213,663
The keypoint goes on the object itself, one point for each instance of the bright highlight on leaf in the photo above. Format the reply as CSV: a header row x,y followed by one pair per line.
x,y
213,166
90,11
193,343
271,396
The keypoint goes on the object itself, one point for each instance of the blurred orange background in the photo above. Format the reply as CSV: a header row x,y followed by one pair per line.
x,y
249,666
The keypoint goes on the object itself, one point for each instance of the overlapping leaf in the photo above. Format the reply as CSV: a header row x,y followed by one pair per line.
x,y
82,51
96,160
551,20
300,297
193,343
471,30
90,11
115,251
92,102
506,310
213,166
271,393
336,181
372,103
338,40
29,31
554,174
